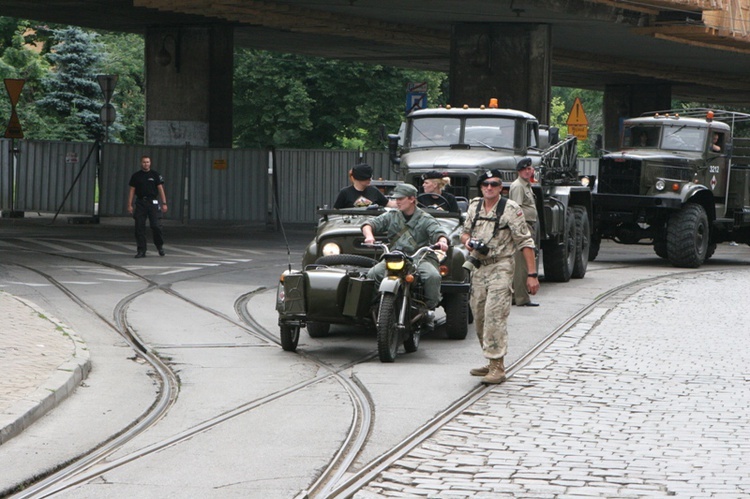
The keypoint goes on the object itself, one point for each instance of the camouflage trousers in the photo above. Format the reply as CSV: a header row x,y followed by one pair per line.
x,y
428,273
491,293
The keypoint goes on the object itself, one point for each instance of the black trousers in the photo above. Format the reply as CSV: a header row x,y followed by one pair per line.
x,y
147,209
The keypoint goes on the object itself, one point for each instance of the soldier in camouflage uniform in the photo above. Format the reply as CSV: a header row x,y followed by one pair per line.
x,y
492,282
409,229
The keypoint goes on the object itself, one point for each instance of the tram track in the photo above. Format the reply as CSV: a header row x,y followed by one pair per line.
x,y
95,463
341,477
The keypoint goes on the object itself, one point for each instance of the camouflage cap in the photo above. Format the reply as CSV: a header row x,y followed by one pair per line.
x,y
403,191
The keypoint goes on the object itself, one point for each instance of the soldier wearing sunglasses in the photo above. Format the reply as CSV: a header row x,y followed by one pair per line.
x,y
496,226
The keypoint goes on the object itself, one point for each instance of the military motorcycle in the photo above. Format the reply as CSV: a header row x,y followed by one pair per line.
x,y
402,314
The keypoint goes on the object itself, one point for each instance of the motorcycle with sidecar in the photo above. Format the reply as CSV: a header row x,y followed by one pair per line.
x,y
333,287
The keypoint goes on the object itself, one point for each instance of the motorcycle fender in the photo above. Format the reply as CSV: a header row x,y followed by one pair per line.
x,y
390,284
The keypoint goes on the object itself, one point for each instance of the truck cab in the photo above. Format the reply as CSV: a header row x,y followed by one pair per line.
x,y
674,183
465,142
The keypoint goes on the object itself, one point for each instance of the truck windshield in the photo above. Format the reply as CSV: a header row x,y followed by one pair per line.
x,y
683,138
492,132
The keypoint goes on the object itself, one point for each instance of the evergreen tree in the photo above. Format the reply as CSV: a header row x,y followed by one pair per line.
x,y
72,89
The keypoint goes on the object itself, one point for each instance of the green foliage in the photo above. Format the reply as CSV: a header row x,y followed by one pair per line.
x,y
294,101
593,105
71,88
123,56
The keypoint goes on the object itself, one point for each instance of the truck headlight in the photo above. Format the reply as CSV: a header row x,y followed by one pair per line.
x,y
659,185
331,249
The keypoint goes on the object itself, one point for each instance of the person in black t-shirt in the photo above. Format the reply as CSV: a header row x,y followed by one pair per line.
x,y
147,199
433,184
360,194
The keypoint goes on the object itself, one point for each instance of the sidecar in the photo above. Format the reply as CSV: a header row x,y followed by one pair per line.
x,y
332,287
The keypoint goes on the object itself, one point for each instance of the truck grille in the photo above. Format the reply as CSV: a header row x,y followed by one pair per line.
x,y
619,177
460,185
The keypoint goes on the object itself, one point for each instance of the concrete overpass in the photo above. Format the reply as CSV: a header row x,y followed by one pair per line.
x,y
641,53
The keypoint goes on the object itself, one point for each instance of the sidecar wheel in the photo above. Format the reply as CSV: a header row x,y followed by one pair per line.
x,y
289,337
456,308
387,332
411,344
318,329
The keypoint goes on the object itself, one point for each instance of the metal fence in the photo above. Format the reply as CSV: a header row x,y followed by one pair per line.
x,y
203,185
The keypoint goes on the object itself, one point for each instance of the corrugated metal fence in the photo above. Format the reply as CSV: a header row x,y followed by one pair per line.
x,y
202,184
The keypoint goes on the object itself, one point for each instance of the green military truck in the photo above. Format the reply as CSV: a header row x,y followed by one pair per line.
x,y
680,182
465,142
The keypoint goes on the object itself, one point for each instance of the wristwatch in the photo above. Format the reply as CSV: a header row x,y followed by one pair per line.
x,y
533,275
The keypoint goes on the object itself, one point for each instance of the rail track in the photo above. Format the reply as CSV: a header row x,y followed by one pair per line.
x,y
342,476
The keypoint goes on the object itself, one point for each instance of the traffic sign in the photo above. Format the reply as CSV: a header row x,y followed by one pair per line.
x,y
578,124
107,114
14,129
415,100
107,84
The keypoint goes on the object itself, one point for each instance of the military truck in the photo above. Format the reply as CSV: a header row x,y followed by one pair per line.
x,y
679,182
465,142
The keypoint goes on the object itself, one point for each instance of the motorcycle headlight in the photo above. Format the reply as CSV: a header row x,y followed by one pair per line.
x,y
331,249
394,264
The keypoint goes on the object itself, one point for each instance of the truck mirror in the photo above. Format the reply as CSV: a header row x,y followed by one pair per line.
x,y
554,135
393,149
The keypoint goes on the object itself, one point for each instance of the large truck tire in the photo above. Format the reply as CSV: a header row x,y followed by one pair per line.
x,y
559,258
583,233
688,236
596,243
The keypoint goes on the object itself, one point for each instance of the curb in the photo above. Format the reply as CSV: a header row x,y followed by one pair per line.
x,y
56,388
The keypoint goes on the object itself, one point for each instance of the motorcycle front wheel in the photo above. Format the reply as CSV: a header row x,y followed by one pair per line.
x,y
387,331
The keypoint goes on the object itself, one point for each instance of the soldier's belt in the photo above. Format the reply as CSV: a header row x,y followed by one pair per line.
x,y
493,259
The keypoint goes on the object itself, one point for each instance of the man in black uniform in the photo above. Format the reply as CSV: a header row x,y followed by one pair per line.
x,y
147,190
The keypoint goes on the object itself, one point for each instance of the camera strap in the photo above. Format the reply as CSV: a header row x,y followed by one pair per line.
x,y
500,209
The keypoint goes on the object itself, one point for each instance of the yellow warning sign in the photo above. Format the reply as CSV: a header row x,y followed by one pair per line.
x,y
578,124
219,164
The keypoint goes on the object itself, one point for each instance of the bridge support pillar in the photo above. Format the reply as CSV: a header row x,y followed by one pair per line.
x,y
509,61
189,86
628,101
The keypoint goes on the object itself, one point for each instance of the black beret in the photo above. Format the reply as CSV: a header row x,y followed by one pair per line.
x,y
489,174
523,163
433,174
362,172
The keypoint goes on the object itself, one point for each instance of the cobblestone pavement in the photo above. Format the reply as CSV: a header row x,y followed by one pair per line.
x,y
646,396
42,362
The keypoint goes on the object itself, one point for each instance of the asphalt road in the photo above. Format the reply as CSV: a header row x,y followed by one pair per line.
x,y
183,306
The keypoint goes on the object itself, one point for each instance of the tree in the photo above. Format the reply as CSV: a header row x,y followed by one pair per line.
x,y
71,88
123,56
296,101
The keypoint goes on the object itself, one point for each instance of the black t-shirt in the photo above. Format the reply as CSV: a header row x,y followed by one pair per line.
x,y
146,184
349,197
452,203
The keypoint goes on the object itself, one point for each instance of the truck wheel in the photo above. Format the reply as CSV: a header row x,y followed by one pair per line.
x,y
558,258
347,261
387,332
289,337
318,329
456,308
710,251
660,247
687,236
596,243
583,232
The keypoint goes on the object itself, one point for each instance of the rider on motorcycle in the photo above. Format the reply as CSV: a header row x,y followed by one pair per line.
x,y
409,229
